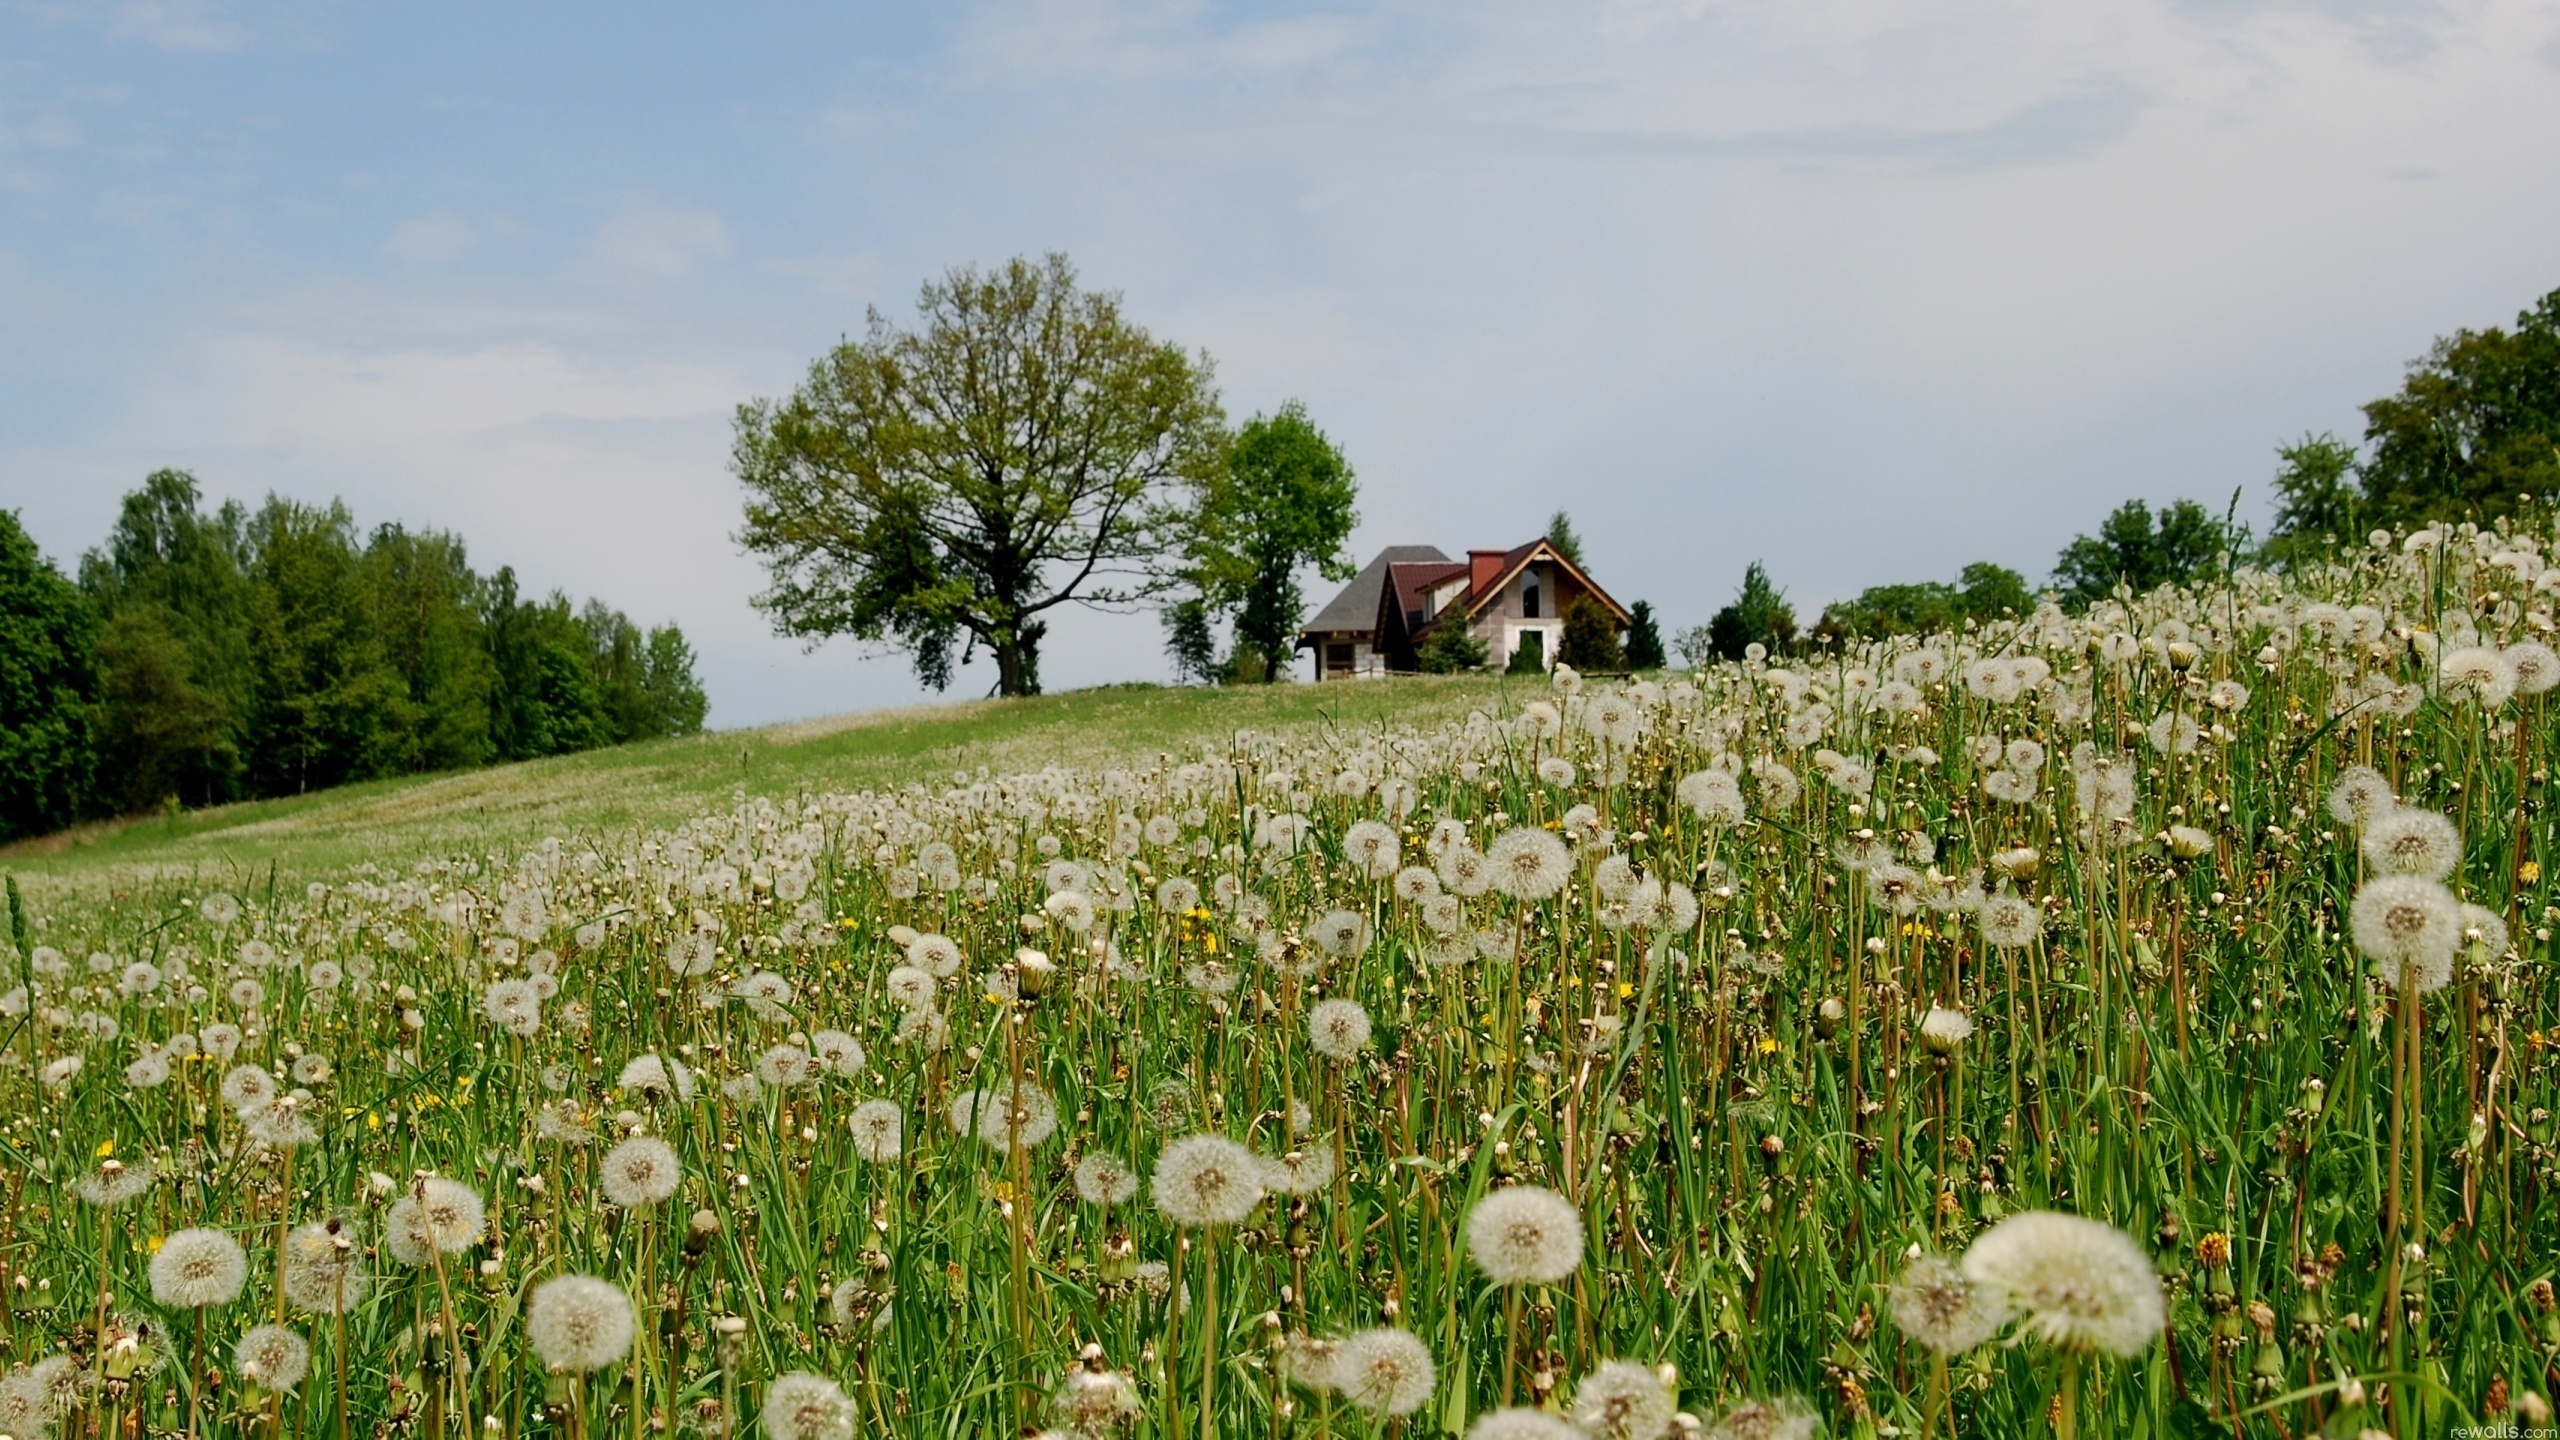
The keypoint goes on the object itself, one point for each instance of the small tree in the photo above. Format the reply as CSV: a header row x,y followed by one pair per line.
x,y
1590,637
2132,549
1190,643
1644,638
1696,647
1448,650
1284,501
1560,534
1759,615
1529,657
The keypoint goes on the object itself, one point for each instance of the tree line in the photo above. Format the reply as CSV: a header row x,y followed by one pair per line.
x,y
204,656
2473,433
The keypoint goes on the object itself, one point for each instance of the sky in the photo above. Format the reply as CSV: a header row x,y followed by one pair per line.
x,y
1864,291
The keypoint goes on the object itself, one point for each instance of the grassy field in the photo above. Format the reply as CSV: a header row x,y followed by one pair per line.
x,y
2142,1024
639,786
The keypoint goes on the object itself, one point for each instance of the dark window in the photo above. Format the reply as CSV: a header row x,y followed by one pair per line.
x,y
1337,656
1529,601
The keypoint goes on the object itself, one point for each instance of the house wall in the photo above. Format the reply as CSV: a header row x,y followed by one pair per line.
x,y
1366,662
1500,624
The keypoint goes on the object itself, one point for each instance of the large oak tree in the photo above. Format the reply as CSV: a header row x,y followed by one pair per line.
x,y
1022,447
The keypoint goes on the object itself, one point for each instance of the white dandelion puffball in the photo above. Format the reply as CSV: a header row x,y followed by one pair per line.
x,y
439,1217
838,1052
656,1078
2534,665
1341,934
272,1357
2082,1284
1017,1116
248,1087
1338,1029
642,1170
1942,1030
579,1323
2008,922
1622,1400
2479,675
2408,926
1386,1372
2407,841
324,1268
1104,1180
2360,794
1527,864
879,1131
1525,1235
197,1268
801,1406
1518,1423
1207,1180
1943,1311
692,954
1714,796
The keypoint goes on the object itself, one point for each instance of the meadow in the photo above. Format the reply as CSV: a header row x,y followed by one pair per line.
x,y
2130,1023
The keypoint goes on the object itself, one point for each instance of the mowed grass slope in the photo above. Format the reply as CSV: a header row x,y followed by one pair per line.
x,y
661,782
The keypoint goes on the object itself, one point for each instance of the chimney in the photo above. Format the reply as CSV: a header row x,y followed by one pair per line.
x,y
1483,568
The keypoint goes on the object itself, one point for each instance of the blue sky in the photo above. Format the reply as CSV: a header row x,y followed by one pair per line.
x,y
1866,291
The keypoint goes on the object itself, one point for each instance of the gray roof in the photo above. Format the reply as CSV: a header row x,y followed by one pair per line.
x,y
1356,608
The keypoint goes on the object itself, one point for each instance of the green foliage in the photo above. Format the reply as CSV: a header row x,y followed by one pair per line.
x,y
425,615
1759,615
2473,431
1644,638
1020,450
1190,642
1696,646
233,655
2183,545
2474,428
1450,649
2318,502
172,585
1984,592
1590,637
1561,535
1285,500
48,689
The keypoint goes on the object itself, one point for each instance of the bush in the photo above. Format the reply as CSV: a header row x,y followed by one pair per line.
x,y
1590,637
1530,657
1450,650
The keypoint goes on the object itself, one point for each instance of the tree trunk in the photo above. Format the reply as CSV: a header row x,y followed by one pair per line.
x,y
1018,662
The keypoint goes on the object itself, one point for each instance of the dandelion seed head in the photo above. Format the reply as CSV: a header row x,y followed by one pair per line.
x,y
801,1406
640,1172
272,1357
1203,1180
1622,1400
1387,1372
1525,1235
198,1268
1943,1311
2081,1284
579,1323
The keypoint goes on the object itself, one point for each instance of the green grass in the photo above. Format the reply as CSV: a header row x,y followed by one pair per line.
x,y
661,782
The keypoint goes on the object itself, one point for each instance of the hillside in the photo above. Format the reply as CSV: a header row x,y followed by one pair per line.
x,y
394,822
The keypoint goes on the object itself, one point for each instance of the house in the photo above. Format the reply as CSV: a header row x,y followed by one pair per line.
x,y
1510,599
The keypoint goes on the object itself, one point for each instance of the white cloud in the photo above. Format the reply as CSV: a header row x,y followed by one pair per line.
x,y
195,25
649,240
430,239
